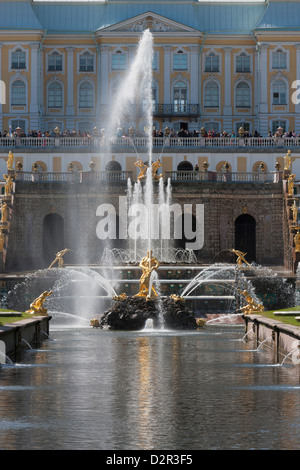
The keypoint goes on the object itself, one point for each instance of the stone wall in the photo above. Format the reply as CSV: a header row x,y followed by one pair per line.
x,y
77,203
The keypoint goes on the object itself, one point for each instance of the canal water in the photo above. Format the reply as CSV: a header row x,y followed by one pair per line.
x,y
85,388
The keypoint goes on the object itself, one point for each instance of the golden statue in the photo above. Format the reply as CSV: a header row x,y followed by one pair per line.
x,y
291,181
2,240
148,264
9,185
95,323
120,297
4,213
37,306
143,169
287,161
295,212
297,242
252,306
59,258
155,166
240,257
10,160
177,298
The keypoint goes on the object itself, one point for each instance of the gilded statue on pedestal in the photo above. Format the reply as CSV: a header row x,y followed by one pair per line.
x,y
252,306
287,161
297,242
148,264
295,213
10,161
4,213
9,185
59,258
291,182
37,306
2,240
143,169
155,166
240,257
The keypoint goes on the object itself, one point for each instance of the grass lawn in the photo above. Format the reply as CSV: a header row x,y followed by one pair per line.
x,y
284,318
9,319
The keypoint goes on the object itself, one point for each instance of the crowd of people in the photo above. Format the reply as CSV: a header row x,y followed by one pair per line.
x,y
171,133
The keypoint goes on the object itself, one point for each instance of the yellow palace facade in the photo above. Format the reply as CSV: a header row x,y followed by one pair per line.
x,y
217,66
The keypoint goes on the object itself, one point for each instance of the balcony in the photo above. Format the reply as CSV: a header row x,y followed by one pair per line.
x,y
173,110
98,143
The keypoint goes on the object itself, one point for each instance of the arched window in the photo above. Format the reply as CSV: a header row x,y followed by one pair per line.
x,y
211,63
180,97
86,95
86,62
113,165
180,61
54,62
18,93
242,95
55,95
118,61
211,95
18,59
243,63
279,59
279,92
185,166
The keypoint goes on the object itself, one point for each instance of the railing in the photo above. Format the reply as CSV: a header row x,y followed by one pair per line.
x,y
143,142
72,177
224,177
122,176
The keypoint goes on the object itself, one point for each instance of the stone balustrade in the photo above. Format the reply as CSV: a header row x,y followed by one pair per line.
x,y
142,142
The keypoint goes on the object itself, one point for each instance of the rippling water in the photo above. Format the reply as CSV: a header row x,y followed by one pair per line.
x,y
90,389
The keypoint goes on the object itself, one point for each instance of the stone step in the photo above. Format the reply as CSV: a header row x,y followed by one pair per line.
x,y
10,314
291,313
297,318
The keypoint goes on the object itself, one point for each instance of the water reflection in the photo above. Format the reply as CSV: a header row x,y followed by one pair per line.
x,y
92,389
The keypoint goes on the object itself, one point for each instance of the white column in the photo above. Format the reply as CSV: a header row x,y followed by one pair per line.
x,y
194,78
167,74
34,87
2,91
70,88
297,106
264,88
227,109
104,98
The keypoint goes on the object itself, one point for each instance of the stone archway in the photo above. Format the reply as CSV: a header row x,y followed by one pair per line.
x,y
185,166
53,236
245,236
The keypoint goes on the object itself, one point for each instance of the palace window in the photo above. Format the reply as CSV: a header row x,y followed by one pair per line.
x,y
180,61
18,123
180,97
86,95
279,92
211,95
118,61
279,59
55,95
18,59
276,124
242,95
54,62
212,63
18,93
86,62
242,63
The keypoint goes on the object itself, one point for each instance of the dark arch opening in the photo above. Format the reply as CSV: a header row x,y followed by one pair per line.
x,y
53,236
185,166
245,236
113,166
